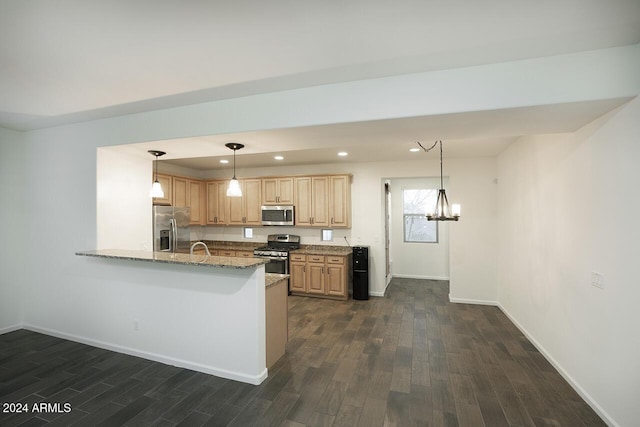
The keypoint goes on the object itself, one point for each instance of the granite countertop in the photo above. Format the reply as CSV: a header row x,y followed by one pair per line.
x,y
323,250
169,258
271,279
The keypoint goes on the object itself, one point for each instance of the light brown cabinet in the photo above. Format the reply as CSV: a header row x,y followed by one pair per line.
x,y
179,198
190,193
319,275
297,273
277,191
320,201
315,275
323,201
217,202
166,182
340,201
245,210
336,283
197,201
312,200
276,321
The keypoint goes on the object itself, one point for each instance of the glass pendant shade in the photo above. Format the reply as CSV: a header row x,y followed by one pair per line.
x,y
156,190
234,189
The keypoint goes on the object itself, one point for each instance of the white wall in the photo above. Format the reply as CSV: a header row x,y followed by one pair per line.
x,y
12,214
411,259
568,207
208,319
123,184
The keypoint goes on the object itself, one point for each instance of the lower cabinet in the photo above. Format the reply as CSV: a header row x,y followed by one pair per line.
x,y
297,273
318,275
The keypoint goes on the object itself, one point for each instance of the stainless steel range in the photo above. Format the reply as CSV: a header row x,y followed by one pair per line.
x,y
277,251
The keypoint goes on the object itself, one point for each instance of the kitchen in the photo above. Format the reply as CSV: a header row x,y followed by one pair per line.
x,y
70,187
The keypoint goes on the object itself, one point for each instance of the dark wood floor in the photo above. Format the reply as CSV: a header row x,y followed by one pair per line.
x,y
408,359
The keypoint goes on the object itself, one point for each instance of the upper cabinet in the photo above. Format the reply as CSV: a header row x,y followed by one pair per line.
x,y
311,200
191,194
319,201
340,201
323,201
197,201
246,210
167,186
217,202
277,191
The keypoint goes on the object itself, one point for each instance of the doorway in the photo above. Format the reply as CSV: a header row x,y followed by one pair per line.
x,y
416,248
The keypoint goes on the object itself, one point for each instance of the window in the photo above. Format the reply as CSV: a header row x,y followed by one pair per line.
x,y
414,207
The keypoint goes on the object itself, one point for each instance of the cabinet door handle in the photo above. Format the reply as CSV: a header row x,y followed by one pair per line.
x,y
331,220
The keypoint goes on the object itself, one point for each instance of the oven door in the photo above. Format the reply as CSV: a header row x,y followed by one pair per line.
x,y
276,265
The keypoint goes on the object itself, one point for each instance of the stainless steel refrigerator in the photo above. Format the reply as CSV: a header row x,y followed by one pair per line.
x,y
171,231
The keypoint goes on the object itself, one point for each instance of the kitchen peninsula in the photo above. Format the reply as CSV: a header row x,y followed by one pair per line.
x,y
205,313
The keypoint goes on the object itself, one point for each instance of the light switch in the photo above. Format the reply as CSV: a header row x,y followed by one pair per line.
x,y
597,280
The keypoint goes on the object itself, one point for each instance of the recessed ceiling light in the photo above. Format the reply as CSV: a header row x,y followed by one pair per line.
x,y
224,161
414,149
342,153
278,157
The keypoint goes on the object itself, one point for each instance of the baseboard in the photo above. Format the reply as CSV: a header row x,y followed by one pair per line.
x,y
574,384
10,329
211,370
414,276
472,301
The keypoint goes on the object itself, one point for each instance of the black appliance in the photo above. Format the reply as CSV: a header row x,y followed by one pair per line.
x,y
360,272
277,251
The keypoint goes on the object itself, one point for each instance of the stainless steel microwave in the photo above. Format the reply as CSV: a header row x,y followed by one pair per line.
x,y
277,215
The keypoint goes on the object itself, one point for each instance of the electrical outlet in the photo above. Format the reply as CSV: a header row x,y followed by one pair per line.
x,y
597,280
136,325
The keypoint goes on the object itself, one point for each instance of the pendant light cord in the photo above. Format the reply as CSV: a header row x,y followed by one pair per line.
x,y
441,180
426,150
234,163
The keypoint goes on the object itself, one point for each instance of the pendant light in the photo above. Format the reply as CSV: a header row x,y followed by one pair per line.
x,y
234,189
156,188
441,211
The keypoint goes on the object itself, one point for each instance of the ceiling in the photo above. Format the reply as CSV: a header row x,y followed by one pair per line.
x,y
72,61
472,134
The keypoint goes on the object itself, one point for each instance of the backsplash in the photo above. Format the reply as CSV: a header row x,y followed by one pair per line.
x,y
308,236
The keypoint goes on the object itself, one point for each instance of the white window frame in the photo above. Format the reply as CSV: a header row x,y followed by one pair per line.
x,y
405,216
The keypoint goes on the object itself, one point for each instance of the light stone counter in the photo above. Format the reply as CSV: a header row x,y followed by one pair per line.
x,y
271,279
169,258
323,250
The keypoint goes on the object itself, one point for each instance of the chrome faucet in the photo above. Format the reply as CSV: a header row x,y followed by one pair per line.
x,y
206,249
